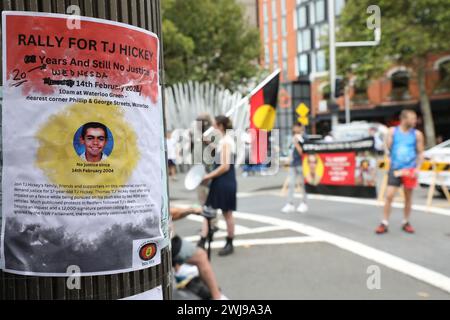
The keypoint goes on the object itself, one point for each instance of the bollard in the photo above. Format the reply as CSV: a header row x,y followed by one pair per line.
x,y
144,14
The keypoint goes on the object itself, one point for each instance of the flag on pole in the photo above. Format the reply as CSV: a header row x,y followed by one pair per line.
x,y
263,102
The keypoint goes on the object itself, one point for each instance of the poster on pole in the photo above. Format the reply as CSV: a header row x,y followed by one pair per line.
x,y
343,168
82,155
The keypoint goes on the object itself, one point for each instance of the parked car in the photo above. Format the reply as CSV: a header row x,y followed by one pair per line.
x,y
439,153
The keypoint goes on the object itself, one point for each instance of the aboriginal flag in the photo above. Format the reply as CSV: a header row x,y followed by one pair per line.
x,y
263,104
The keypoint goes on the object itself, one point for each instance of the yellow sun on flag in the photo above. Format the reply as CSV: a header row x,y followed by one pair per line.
x,y
264,117
58,159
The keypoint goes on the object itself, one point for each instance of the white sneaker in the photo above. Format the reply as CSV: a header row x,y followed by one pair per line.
x,y
288,208
187,271
302,208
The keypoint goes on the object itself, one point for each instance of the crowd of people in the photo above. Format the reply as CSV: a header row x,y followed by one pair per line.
x,y
218,190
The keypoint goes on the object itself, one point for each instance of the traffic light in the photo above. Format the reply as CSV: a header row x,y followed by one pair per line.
x,y
340,87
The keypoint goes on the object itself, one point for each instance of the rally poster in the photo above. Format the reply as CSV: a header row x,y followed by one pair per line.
x,y
82,156
340,168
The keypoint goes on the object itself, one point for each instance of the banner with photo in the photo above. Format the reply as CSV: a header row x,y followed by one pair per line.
x,y
82,146
341,168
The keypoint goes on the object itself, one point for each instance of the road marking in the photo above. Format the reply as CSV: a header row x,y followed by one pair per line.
x,y
393,262
271,241
221,224
415,207
416,271
222,234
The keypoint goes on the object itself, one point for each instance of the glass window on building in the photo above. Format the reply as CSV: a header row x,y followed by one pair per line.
x,y
444,77
321,61
306,40
320,35
312,15
299,41
283,7
274,29
274,8
275,53
302,17
339,6
285,66
312,59
266,32
360,96
265,13
400,86
284,49
320,11
266,55
317,38
283,27
301,92
274,19
303,64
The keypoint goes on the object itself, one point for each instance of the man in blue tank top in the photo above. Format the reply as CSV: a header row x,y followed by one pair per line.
x,y
405,147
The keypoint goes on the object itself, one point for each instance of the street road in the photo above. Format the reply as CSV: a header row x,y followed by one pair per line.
x,y
331,252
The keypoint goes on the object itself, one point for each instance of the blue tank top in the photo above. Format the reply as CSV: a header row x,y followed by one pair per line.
x,y
404,149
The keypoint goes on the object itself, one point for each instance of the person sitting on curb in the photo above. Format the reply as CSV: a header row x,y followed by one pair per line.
x,y
184,251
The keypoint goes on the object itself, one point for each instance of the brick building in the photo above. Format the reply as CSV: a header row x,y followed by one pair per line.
x,y
292,33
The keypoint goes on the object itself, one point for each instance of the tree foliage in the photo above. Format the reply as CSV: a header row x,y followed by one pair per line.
x,y
209,40
411,31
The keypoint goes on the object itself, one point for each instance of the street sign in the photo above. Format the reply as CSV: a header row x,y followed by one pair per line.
x,y
304,121
303,111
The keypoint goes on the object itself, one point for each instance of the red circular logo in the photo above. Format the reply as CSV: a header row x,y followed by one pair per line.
x,y
148,251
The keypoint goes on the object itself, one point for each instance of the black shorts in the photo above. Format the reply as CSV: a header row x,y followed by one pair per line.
x,y
182,250
171,163
393,180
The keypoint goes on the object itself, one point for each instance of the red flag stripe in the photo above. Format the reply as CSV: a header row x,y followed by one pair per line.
x,y
256,101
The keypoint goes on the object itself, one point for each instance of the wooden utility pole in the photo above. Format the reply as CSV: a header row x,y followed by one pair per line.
x,y
144,14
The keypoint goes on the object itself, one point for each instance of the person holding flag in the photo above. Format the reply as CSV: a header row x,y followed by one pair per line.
x,y
223,188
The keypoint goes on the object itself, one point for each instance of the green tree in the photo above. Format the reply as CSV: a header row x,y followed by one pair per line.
x,y
178,50
412,30
209,40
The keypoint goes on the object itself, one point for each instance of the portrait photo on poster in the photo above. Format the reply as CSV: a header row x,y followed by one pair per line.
x,y
93,142
313,169
365,170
